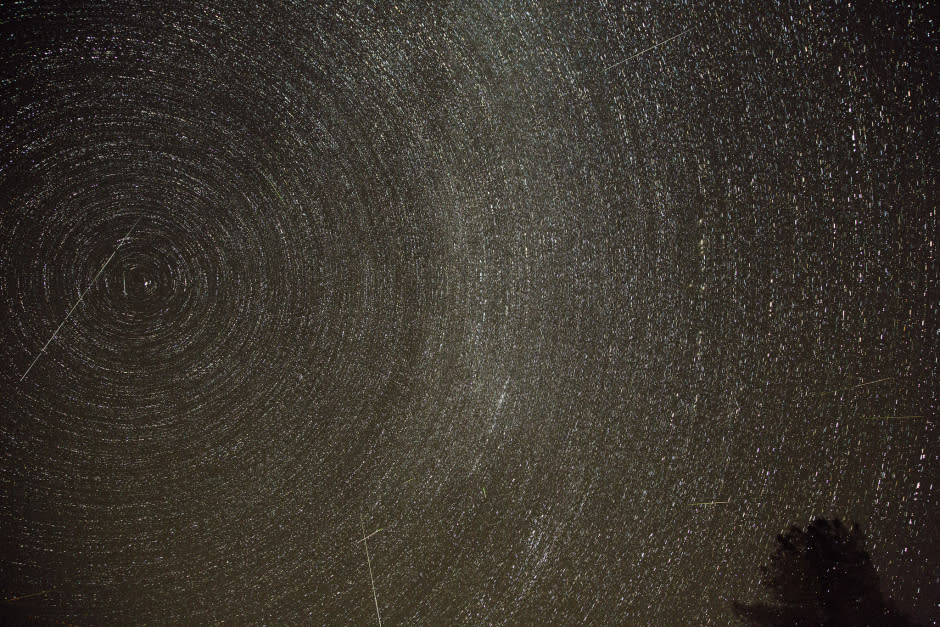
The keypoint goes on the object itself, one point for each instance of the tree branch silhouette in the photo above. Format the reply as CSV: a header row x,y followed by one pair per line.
x,y
821,577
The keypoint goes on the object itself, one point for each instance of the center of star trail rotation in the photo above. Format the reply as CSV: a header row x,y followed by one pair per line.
x,y
459,313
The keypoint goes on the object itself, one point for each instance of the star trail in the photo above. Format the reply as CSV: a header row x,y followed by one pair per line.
x,y
430,313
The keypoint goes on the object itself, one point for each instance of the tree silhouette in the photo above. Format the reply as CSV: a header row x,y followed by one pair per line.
x,y
821,577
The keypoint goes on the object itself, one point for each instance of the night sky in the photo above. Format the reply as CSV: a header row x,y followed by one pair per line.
x,y
579,305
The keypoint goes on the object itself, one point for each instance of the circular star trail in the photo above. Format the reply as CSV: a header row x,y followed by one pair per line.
x,y
570,309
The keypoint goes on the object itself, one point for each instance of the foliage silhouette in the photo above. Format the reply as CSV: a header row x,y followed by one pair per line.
x,y
822,577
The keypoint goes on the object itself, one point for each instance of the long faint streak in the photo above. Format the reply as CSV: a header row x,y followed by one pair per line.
x,y
375,596
645,50
855,387
25,596
712,503
81,298
368,536
274,187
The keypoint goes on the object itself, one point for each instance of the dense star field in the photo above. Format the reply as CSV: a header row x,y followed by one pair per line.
x,y
578,305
